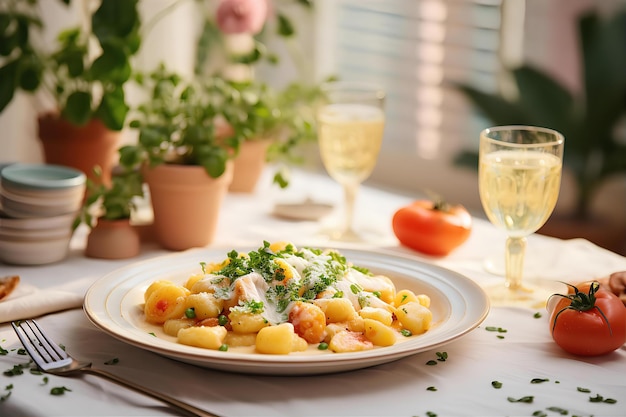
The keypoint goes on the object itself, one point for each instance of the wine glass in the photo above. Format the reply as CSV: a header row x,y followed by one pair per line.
x,y
350,126
519,177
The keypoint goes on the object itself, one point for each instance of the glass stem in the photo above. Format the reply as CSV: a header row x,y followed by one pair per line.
x,y
514,262
350,191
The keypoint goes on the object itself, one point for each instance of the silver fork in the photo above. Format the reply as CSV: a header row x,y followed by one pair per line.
x,y
50,358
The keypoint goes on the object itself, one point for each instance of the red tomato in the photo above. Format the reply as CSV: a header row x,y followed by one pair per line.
x,y
432,228
589,321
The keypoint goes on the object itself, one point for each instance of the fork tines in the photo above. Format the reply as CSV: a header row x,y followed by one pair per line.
x,y
39,346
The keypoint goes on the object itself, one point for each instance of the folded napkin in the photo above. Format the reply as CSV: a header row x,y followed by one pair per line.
x,y
28,301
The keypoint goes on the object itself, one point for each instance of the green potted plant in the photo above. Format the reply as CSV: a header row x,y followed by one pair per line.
x,y
84,75
107,211
184,151
273,124
594,146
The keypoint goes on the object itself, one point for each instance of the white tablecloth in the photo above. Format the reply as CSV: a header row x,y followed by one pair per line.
x,y
460,386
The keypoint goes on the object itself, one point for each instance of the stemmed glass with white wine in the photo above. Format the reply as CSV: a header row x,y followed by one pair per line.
x,y
350,125
519,177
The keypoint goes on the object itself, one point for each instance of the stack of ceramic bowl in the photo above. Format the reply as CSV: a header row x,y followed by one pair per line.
x,y
38,204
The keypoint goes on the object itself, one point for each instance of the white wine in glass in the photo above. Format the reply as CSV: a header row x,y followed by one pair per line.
x,y
350,127
519,177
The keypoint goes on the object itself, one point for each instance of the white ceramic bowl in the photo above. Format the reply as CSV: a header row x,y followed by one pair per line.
x,y
34,252
40,190
19,206
62,222
32,234
41,177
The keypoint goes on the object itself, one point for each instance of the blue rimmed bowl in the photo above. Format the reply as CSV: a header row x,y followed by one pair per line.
x,y
40,190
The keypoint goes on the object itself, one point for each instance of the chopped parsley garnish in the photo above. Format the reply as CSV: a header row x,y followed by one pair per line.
x,y
538,380
16,370
527,399
355,289
495,329
362,270
59,390
559,410
250,306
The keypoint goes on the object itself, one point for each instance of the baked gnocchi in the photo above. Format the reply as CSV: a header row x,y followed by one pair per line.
x,y
281,299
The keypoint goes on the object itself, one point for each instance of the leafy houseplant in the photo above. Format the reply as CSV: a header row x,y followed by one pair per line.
x,y
283,118
82,87
107,211
183,122
82,76
114,202
594,149
184,151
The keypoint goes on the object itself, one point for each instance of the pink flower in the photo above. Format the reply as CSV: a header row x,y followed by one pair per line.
x,y
241,16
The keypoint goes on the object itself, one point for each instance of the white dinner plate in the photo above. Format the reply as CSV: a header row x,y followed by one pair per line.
x,y
114,304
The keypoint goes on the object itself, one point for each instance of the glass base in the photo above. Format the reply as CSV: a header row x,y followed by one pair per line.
x,y
532,294
347,236
535,262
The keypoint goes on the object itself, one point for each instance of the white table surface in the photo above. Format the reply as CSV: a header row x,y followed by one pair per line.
x,y
463,382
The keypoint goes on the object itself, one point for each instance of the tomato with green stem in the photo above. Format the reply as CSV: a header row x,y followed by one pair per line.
x,y
589,321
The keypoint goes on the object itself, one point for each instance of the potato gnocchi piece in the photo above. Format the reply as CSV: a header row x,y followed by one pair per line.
x,y
204,304
414,317
379,333
172,326
403,297
192,280
204,337
233,339
165,302
279,340
336,309
378,314
243,322
424,300
154,286
347,341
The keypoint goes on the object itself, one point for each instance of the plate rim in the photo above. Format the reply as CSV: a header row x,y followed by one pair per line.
x,y
288,364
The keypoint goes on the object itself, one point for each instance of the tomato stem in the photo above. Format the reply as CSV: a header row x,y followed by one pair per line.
x,y
579,301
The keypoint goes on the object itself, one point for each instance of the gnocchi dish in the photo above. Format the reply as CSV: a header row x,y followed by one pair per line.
x,y
281,299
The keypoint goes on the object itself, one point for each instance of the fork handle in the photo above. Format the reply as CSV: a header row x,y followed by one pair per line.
x,y
187,408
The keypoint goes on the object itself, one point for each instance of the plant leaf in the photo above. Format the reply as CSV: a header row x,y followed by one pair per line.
x,y
544,100
78,108
495,108
113,109
8,73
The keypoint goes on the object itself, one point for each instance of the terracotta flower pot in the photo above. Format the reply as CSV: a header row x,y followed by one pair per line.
x,y
80,147
249,165
186,203
113,239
